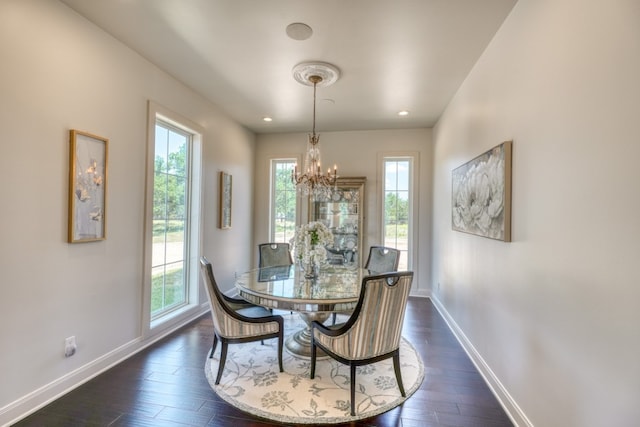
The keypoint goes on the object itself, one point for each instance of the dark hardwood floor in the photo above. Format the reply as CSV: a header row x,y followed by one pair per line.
x,y
165,385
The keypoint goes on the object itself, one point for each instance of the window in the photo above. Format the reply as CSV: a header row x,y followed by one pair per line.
x,y
174,230
397,218
170,209
283,201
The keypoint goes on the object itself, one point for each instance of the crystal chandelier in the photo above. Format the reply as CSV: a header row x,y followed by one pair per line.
x,y
311,181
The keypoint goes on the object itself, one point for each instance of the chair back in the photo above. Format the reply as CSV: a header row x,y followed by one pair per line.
x,y
274,254
382,259
375,328
226,322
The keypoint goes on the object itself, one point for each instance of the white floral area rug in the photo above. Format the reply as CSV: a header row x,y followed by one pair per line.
x,y
252,382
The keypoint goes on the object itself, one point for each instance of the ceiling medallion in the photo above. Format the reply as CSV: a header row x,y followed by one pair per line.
x,y
328,72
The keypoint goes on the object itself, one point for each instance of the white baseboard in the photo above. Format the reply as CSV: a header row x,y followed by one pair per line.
x,y
42,396
46,394
510,406
419,294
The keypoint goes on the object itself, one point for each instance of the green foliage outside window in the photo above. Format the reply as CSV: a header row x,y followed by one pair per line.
x,y
284,203
396,209
170,188
167,289
169,185
396,213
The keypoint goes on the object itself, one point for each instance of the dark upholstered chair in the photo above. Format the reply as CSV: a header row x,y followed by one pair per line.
x,y
252,323
373,331
269,255
274,254
382,259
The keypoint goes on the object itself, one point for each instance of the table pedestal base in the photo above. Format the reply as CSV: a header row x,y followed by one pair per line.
x,y
299,343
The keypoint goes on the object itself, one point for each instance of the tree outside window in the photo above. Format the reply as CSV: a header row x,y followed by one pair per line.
x,y
397,207
283,201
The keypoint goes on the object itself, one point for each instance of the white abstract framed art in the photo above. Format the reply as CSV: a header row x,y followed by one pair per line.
x,y
225,191
87,187
481,194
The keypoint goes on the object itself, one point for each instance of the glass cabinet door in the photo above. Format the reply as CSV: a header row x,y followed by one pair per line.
x,y
343,213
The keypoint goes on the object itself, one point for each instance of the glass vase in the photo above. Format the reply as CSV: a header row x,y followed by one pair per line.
x,y
312,267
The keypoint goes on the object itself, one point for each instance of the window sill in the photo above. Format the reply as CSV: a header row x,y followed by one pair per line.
x,y
174,319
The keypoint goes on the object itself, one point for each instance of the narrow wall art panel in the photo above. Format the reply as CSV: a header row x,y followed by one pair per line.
x,y
224,215
481,194
87,187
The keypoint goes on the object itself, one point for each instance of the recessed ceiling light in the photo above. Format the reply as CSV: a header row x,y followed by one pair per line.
x,y
299,31
403,113
267,119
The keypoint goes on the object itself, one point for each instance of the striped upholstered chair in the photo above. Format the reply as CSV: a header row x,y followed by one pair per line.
x,y
240,325
373,331
381,260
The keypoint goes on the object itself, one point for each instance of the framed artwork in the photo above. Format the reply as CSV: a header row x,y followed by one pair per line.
x,y
225,200
481,194
87,187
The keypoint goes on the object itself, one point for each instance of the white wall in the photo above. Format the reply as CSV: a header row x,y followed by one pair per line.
x,y
555,314
60,72
357,153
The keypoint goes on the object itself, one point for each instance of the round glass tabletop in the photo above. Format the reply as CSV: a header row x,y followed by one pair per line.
x,y
336,288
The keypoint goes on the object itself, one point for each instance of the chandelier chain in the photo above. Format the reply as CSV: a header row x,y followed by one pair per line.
x,y
312,182
315,84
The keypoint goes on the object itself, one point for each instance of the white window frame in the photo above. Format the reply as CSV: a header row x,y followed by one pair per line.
x,y
272,190
194,238
412,236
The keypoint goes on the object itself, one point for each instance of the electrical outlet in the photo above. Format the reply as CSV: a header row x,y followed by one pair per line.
x,y
70,346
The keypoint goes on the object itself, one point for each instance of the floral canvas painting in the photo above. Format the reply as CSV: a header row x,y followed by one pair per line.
x,y
481,194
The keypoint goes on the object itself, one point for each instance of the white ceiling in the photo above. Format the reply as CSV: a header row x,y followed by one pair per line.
x,y
393,55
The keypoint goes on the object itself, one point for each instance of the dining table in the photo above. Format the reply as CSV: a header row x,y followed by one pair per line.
x,y
335,289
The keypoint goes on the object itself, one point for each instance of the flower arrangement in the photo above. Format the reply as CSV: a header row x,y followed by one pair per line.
x,y
309,244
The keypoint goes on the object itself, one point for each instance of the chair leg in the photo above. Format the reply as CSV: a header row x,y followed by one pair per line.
x,y
313,360
335,315
223,359
280,342
213,347
396,368
353,389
